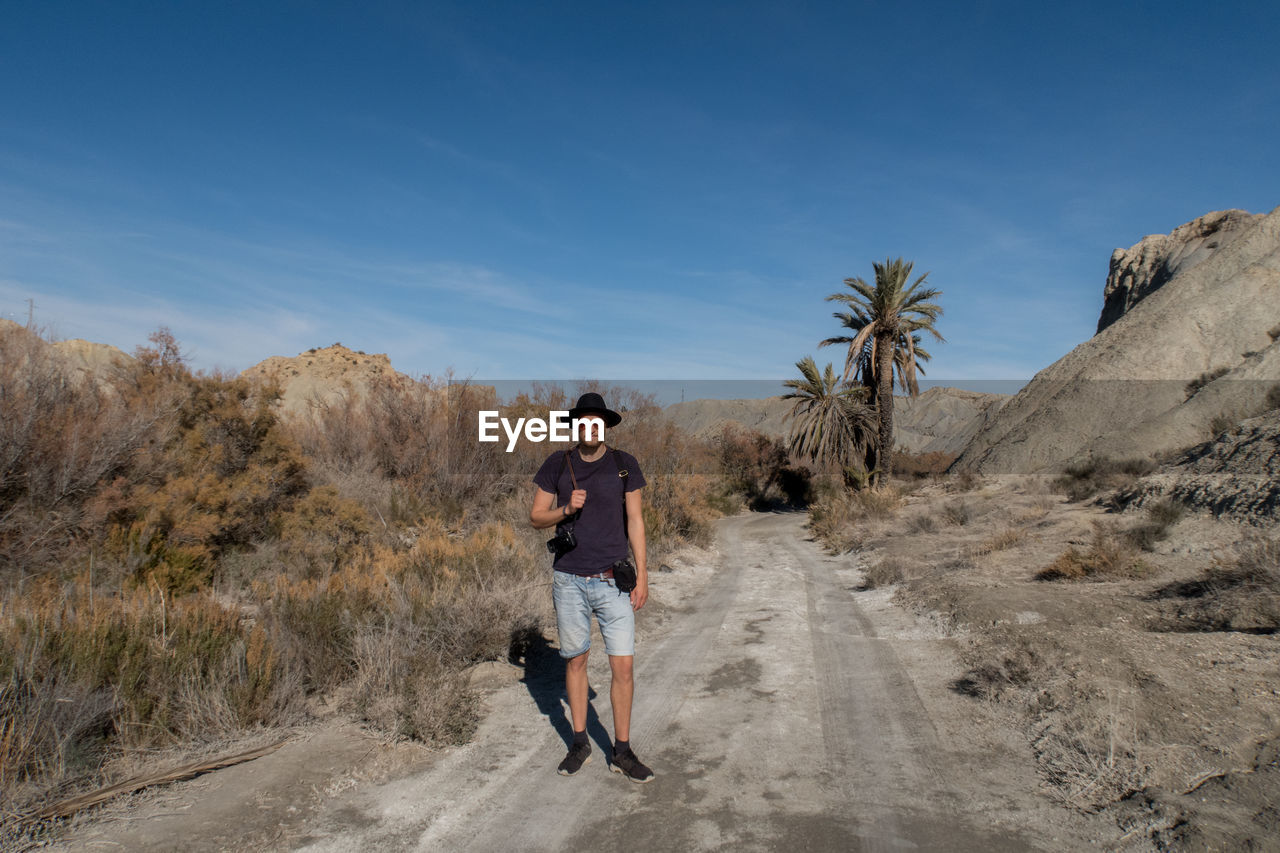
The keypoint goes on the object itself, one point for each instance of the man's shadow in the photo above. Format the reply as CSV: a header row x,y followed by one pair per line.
x,y
544,678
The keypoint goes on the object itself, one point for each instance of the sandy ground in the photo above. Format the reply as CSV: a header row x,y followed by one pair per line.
x,y
782,707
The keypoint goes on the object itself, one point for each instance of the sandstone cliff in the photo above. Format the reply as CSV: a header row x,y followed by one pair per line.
x,y
1194,349
1143,268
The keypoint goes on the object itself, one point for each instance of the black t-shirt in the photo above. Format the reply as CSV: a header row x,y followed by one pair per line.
x,y
598,526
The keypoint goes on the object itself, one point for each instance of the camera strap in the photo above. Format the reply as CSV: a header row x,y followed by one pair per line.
x,y
622,474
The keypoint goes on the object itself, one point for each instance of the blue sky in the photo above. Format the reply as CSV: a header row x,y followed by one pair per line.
x,y
658,190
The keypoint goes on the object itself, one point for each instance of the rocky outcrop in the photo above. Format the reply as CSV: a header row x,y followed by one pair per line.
x,y
325,375
939,419
1148,265
1235,475
1199,348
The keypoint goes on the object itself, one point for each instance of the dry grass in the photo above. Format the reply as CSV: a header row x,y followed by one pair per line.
x,y
922,523
1242,594
1002,540
964,481
1160,518
1110,556
957,513
841,519
885,572
1098,474
1083,726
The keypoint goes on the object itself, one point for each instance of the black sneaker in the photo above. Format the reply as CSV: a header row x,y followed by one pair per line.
x,y
628,765
579,754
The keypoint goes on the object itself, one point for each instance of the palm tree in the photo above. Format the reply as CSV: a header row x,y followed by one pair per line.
x,y
885,319
831,423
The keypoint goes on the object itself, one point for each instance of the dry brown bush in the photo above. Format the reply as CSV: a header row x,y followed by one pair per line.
x,y
1001,541
919,466
61,438
964,481
758,468
841,519
1110,556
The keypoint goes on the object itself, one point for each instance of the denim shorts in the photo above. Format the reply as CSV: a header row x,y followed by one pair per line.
x,y
576,598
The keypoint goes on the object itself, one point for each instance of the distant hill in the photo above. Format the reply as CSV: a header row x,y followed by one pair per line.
x,y
83,360
940,419
325,374
1189,340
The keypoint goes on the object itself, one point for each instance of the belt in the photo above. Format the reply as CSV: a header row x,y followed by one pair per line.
x,y
607,574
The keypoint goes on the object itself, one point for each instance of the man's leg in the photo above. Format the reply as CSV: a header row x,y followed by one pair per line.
x,y
573,621
621,689
575,686
618,625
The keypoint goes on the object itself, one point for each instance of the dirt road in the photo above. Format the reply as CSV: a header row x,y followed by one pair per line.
x,y
774,713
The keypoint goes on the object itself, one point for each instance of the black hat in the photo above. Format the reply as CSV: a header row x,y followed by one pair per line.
x,y
590,403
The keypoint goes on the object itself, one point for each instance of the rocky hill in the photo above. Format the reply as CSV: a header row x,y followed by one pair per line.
x,y
1141,269
1236,475
1188,346
81,360
325,375
940,419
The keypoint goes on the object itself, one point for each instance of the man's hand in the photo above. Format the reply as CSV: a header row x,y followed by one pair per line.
x,y
640,594
577,499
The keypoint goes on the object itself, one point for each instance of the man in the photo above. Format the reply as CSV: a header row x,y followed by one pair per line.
x,y
590,486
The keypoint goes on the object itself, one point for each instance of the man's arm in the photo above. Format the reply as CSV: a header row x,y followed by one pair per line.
x,y
635,534
542,514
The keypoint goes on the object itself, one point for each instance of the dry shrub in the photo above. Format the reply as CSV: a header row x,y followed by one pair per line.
x,y
958,513
410,693
1232,595
1161,516
1223,421
840,518
1001,541
920,466
1110,556
61,436
1083,730
964,481
460,596
1204,379
677,509
1096,474
133,670
217,483
405,449
324,530
757,468
888,571
1004,659
922,523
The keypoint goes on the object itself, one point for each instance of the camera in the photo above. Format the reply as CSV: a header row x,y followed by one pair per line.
x,y
562,543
